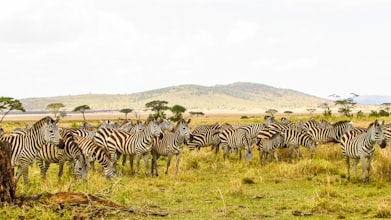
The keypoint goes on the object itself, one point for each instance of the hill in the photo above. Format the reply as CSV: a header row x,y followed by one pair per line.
x,y
236,97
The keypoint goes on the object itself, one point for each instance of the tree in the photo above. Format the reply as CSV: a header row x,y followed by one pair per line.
x,y
158,107
387,107
55,108
196,113
288,112
271,112
126,111
82,109
346,106
8,104
326,107
177,110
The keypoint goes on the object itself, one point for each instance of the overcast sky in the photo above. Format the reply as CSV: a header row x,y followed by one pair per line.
x,y
54,48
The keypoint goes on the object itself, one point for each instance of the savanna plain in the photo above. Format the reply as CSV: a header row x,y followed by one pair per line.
x,y
207,187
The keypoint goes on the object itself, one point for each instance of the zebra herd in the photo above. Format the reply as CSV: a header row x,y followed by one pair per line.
x,y
46,143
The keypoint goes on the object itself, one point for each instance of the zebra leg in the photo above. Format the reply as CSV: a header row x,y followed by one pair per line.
x,y
60,168
131,159
260,157
178,158
43,166
168,162
368,168
146,155
124,156
355,163
365,173
275,156
22,171
347,167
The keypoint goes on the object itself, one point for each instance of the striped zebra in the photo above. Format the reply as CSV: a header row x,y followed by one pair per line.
x,y
293,139
270,146
205,139
26,146
51,154
330,134
92,152
361,146
236,139
138,144
171,144
206,128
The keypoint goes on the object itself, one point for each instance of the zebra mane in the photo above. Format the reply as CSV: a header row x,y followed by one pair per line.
x,y
181,121
42,121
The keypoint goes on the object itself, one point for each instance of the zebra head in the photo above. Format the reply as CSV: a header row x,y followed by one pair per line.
x,y
109,170
154,128
376,134
51,132
167,125
80,167
183,130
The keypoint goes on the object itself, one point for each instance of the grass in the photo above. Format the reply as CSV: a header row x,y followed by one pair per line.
x,y
207,187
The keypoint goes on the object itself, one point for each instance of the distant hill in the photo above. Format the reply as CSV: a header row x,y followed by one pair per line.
x,y
240,97
373,99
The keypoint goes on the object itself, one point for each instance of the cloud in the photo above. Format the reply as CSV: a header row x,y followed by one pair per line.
x,y
241,32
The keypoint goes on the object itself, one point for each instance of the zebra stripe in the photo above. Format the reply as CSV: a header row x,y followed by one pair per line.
x,y
330,134
236,139
171,144
26,146
92,152
139,144
270,146
293,139
361,146
51,154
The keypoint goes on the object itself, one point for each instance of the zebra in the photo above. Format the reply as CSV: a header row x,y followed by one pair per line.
x,y
205,128
361,146
71,152
93,151
270,147
205,139
139,143
171,144
234,139
25,146
294,138
330,134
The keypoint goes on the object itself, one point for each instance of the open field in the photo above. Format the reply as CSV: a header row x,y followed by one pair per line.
x,y
207,187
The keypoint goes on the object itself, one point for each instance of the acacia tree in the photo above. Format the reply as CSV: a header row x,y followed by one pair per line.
x,y
158,106
326,107
82,109
126,111
345,105
7,104
271,112
54,108
177,111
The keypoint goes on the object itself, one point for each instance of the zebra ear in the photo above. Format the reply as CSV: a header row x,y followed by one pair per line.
x,y
188,121
382,123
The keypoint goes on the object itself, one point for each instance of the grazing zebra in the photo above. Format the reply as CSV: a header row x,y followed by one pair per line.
x,y
293,139
236,139
270,147
92,152
361,146
51,154
138,144
25,146
330,134
171,144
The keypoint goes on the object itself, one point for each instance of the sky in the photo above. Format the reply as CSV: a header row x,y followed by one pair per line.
x,y
59,48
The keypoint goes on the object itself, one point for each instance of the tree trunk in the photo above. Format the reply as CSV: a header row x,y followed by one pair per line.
x,y
7,180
